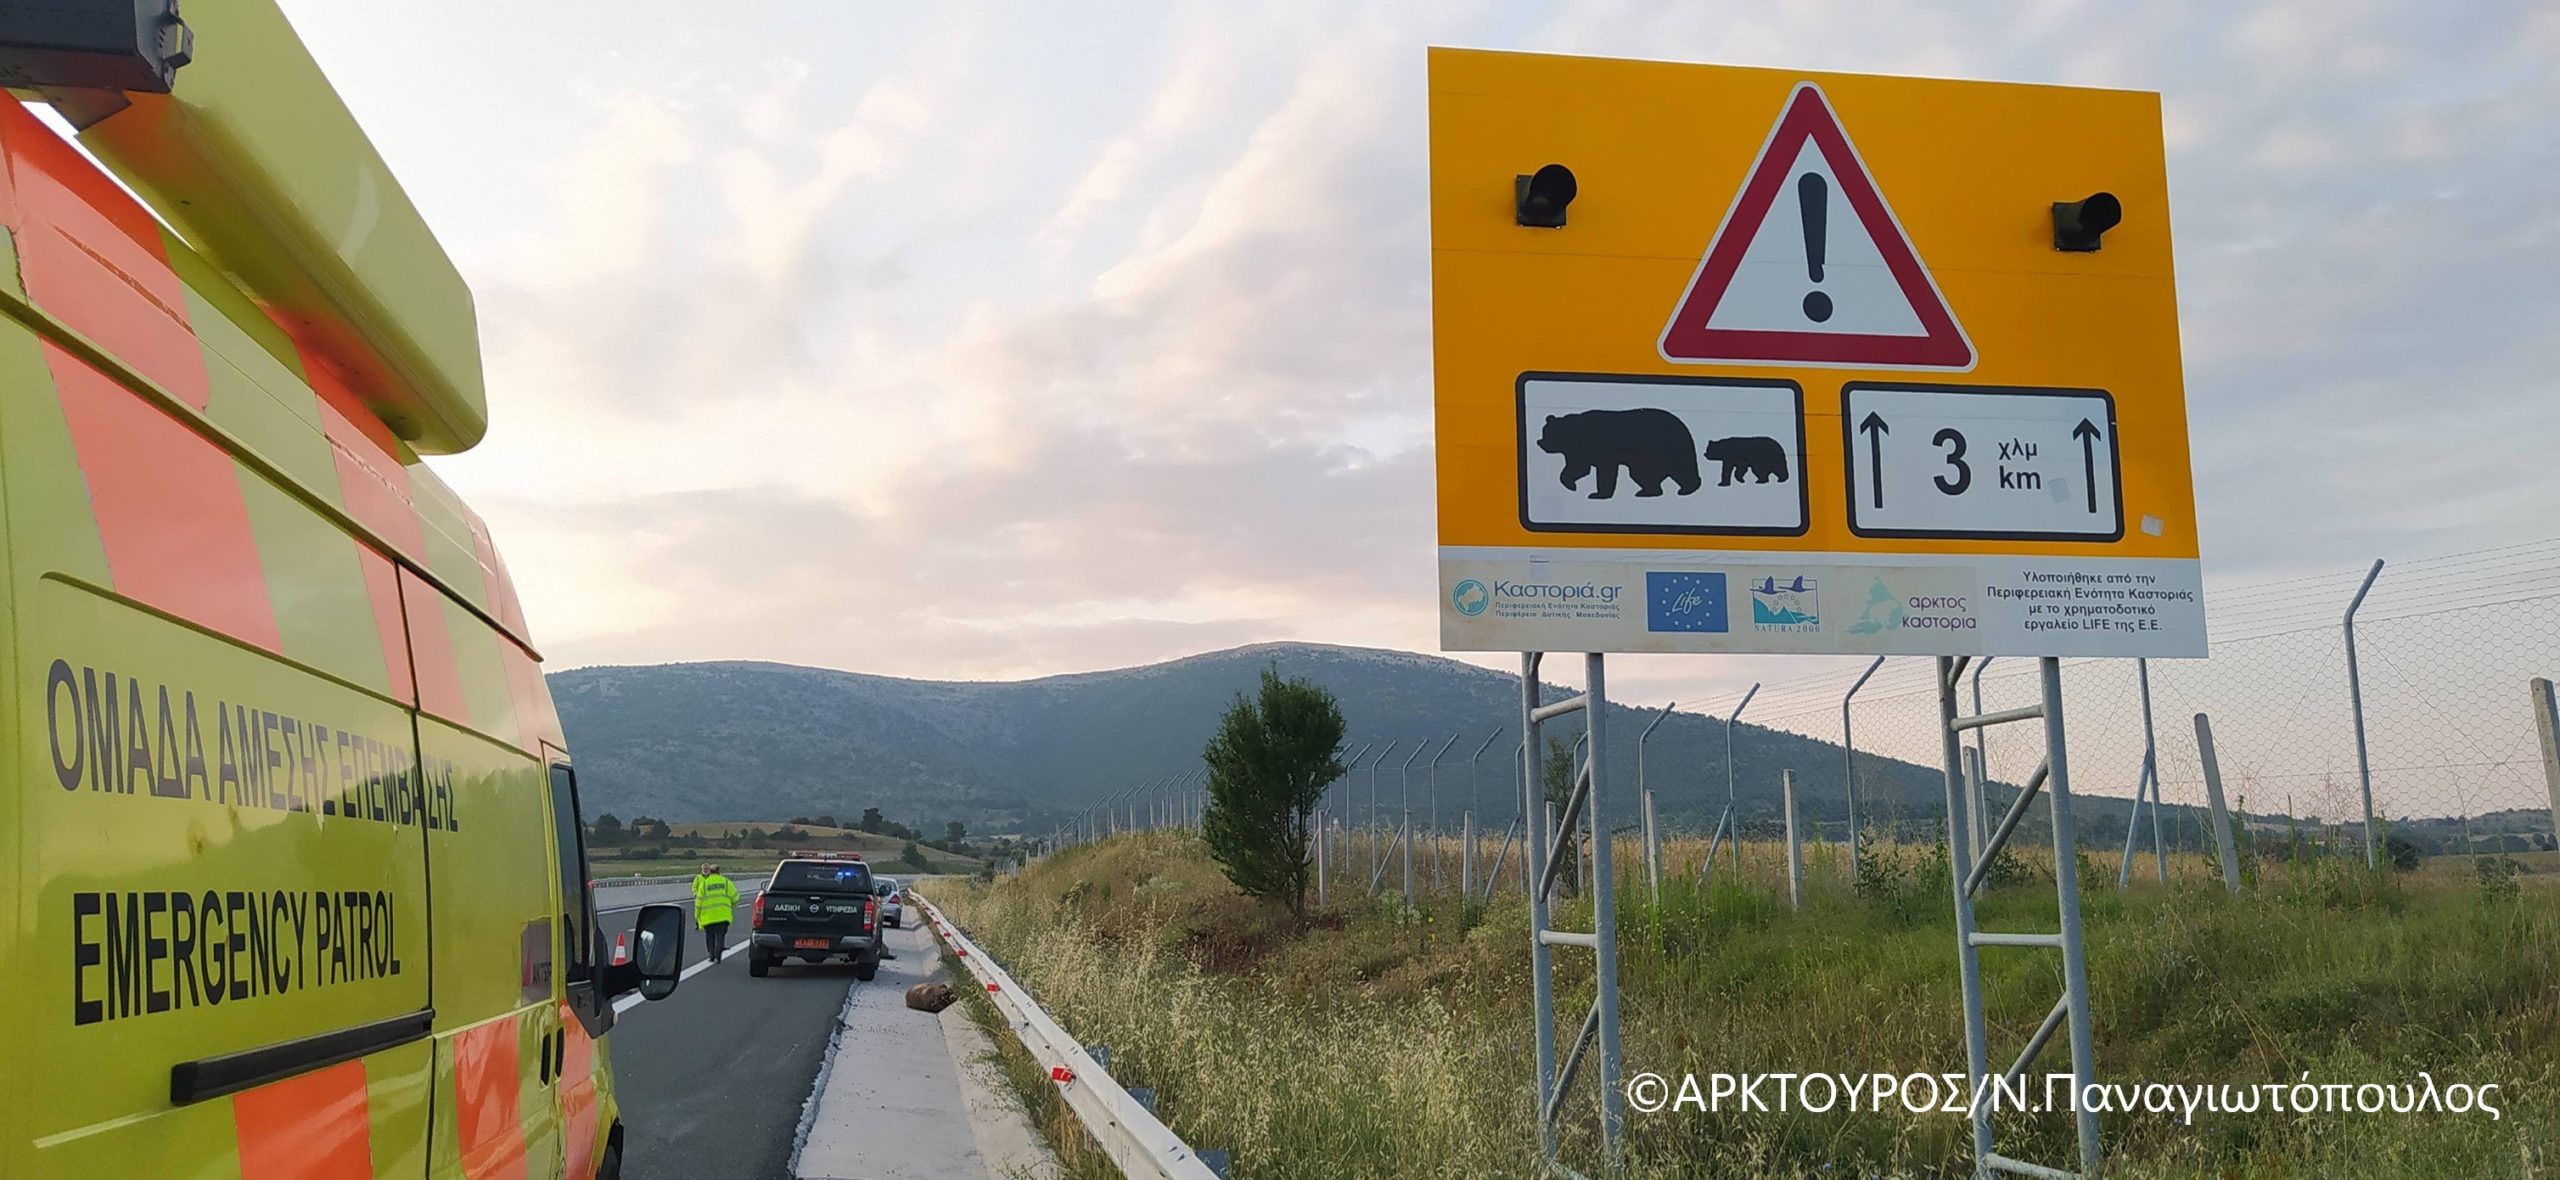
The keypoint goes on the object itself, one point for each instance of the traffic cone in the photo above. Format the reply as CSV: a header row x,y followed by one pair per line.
x,y
621,948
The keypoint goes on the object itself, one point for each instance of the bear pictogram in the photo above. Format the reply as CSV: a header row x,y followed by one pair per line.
x,y
1653,445
1759,458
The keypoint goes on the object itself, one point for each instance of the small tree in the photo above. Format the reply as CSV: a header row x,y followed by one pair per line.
x,y
1269,763
606,831
870,819
913,857
958,832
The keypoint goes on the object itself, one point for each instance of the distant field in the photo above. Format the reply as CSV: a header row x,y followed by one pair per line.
x,y
679,859
731,865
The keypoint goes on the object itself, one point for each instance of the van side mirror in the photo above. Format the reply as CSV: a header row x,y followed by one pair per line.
x,y
658,950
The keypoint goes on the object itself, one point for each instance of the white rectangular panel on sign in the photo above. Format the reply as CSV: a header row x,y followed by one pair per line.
x,y
1982,461
1605,454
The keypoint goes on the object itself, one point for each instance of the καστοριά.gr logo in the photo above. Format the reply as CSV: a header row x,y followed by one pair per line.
x,y
1470,598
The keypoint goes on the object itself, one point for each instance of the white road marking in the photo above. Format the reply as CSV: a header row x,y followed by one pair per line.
x,y
635,999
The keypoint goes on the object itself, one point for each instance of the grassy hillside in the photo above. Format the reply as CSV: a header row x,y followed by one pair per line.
x,y
1369,1044
767,741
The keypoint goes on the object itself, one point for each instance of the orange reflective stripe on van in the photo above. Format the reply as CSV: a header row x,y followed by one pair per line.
x,y
169,510
313,1126
92,257
488,1093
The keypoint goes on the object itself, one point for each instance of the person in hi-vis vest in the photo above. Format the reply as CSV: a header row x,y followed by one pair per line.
x,y
715,899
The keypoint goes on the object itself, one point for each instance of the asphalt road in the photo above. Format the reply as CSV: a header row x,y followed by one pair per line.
x,y
618,906
713,1079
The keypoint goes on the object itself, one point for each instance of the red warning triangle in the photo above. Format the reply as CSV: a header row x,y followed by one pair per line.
x,y
1810,267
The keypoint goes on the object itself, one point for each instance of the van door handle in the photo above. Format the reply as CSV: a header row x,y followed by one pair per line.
x,y
542,1058
559,1052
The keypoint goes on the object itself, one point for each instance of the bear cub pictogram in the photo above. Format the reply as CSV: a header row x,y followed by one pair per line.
x,y
1759,458
1653,445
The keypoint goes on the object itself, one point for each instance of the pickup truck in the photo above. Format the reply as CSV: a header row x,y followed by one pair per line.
x,y
814,910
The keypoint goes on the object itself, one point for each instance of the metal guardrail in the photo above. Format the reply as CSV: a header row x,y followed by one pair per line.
x,y
1129,1133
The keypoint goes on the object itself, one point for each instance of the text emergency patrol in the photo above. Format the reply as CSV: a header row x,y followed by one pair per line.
x,y
155,950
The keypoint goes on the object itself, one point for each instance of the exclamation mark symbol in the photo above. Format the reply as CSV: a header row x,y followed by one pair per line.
x,y
1813,198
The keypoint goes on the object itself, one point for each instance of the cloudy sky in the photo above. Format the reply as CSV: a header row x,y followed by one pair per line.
x,y
966,340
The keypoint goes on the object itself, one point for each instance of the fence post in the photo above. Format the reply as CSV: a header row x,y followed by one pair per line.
x,y
1521,822
1721,824
1404,825
1795,846
1849,764
1373,797
1644,791
2546,725
1435,807
2145,779
2355,696
1319,856
1652,851
2151,754
1467,854
2213,799
1404,784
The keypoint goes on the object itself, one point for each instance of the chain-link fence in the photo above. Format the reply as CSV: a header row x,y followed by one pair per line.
x,y
2444,650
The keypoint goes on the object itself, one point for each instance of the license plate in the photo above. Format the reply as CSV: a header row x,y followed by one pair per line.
x,y
813,943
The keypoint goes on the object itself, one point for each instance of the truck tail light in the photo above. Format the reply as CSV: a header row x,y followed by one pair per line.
x,y
870,910
755,921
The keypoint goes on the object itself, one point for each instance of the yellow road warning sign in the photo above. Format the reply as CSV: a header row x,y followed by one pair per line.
x,y
1756,360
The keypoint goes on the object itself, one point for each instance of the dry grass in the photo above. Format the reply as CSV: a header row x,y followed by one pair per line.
x,y
1370,1042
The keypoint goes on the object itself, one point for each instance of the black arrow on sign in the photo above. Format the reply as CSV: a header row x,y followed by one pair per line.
x,y
2087,433
1875,430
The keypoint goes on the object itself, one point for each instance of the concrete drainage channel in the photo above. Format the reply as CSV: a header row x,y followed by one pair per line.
x,y
909,1095
1119,1120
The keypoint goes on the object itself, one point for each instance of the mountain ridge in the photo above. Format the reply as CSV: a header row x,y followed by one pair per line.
x,y
765,740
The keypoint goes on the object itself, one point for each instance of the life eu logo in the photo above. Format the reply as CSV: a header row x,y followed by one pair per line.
x,y
1684,601
1786,605
1470,598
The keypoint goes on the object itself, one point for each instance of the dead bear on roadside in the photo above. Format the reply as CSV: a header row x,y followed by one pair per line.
x,y
929,997
1760,458
1653,445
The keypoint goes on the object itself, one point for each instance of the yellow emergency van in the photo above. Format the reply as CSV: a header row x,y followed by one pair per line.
x,y
289,840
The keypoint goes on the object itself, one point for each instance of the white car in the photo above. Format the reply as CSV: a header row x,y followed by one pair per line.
x,y
891,913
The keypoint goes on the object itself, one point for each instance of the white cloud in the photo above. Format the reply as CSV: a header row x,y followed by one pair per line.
x,y
1003,340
